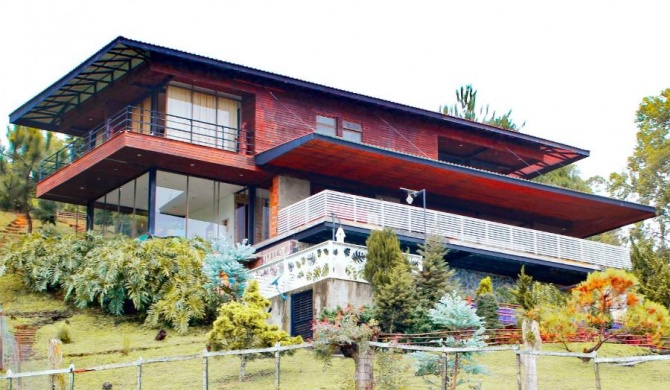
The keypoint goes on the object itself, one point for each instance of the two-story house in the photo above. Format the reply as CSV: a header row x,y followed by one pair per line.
x,y
177,144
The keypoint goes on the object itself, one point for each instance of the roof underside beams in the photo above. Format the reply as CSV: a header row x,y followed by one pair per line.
x,y
500,198
47,110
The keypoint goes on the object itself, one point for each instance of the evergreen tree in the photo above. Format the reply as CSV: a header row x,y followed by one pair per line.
x,y
485,286
383,256
434,280
394,301
243,325
453,313
19,165
487,309
466,107
487,304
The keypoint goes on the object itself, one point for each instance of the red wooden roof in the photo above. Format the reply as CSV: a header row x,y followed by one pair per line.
x,y
549,208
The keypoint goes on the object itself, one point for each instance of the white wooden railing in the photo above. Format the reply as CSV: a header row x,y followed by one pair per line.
x,y
328,259
464,231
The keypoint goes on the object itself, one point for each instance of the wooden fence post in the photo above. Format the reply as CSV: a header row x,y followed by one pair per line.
x,y
445,373
518,369
205,370
277,365
139,373
597,370
56,361
72,376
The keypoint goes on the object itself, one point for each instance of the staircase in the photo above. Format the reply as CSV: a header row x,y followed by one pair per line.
x,y
16,228
77,221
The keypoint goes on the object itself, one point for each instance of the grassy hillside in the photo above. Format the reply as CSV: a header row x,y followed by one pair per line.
x,y
99,339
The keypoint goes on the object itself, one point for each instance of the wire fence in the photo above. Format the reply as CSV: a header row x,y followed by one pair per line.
x,y
294,367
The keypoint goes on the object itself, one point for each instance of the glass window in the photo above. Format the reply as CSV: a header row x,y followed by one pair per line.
x,y
171,204
203,118
352,131
326,125
124,209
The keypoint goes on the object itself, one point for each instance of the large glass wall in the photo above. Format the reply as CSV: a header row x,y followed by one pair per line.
x,y
191,207
184,206
124,210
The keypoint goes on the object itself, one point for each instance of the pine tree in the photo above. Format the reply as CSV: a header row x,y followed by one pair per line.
x,y
19,165
434,279
394,301
453,313
487,309
383,256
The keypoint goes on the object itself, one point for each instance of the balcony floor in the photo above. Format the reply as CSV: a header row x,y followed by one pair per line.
x,y
128,155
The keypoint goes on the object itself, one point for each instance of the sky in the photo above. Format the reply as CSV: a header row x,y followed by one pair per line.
x,y
573,71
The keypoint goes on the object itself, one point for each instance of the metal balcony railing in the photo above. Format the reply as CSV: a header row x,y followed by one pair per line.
x,y
465,231
152,123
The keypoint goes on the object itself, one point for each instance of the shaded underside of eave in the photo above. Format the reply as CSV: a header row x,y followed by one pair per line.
x,y
583,214
128,155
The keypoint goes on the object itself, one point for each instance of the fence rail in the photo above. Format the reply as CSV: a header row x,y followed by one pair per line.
x,y
153,123
512,376
466,231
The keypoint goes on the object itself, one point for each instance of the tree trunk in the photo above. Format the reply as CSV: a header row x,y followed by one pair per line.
x,y
30,221
531,342
363,360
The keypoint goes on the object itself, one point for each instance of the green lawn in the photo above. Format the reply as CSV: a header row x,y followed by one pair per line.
x,y
100,339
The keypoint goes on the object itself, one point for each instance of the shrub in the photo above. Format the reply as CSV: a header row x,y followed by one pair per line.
x,y
63,334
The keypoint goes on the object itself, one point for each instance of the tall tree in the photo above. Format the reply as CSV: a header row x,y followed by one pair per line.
x,y
566,177
389,272
384,255
19,165
466,107
652,270
395,301
434,279
646,178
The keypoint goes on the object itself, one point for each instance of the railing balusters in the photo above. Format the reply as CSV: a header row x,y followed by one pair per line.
x,y
172,127
466,229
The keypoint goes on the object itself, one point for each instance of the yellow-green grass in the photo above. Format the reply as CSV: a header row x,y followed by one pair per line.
x,y
99,339
6,217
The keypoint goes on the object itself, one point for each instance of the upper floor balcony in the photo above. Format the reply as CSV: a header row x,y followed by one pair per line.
x,y
155,124
462,233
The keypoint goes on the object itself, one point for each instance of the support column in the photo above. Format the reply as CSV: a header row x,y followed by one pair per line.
x,y
152,201
90,215
251,193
